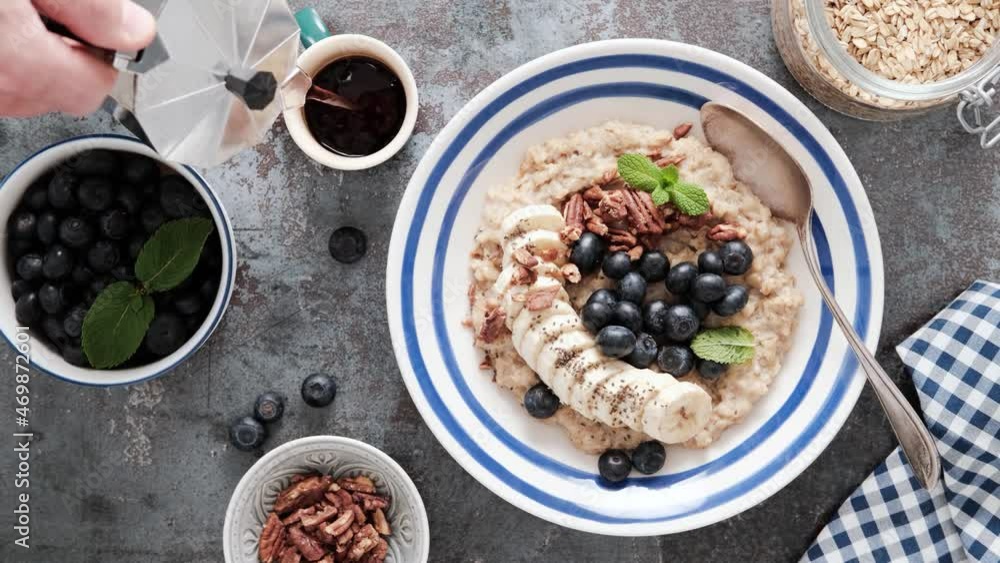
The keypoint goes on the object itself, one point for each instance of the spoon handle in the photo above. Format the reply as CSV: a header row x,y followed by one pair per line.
x,y
917,442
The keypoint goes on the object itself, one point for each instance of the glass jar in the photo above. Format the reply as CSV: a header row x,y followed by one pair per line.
x,y
816,57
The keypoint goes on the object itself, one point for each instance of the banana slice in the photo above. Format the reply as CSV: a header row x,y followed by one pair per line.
x,y
534,330
532,218
677,412
561,352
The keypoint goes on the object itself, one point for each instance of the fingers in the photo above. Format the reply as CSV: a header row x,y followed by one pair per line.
x,y
15,106
70,78
120,25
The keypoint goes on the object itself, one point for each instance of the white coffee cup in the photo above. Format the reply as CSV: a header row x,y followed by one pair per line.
x,y
323,53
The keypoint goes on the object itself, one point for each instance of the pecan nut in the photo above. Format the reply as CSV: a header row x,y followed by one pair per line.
x,y
725,232
306,492
525,258
682,130
539,299
364,541
272,540
307,546
494,325
613,206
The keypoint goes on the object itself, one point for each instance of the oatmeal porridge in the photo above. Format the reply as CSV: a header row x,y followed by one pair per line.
x,y
578,176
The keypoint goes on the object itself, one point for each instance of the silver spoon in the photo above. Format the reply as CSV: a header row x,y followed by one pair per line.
x,y
774,176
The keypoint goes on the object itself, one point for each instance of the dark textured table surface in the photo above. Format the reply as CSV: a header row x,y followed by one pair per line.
x,y
145,473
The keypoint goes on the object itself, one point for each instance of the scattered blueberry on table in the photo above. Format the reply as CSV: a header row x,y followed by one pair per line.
x,y
319,390
348,245
247,434
269,407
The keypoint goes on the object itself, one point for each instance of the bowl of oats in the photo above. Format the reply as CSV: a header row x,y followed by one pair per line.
x,y
889,59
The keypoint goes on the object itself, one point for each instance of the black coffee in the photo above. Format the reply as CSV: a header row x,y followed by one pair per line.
x,y
381,106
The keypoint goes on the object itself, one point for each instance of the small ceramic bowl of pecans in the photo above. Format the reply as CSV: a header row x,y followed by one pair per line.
x,y
326,499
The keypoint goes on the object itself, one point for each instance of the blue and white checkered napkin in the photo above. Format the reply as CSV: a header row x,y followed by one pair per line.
x,y
955,362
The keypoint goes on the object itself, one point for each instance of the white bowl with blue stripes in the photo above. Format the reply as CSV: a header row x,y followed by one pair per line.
x,y
532,464
43,356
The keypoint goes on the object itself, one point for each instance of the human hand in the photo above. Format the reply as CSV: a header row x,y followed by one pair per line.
x,y
42,72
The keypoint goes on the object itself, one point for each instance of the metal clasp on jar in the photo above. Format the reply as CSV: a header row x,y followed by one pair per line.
x,y
978,102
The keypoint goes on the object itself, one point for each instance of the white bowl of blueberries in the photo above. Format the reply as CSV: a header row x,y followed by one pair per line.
x,y
86,214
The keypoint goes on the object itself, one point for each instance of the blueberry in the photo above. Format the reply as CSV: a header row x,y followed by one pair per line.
x,y
614,466
708,288
27,309
74,355
732,302
58,262
711,370
128,199
37,197
587,253
138,169
29,267
700,309
628,315
50,297
737,257
178,198
596,316
151,218
73,321
23,225
82,276
20,287
122,272
606,296
188,303
653,265
644,352
632,288
166,334
269,407
541,402
247,434
53,330
710,263
62,190
649,457
680,277
103,256
74,232
115,224
675,359
319,390
682,323
96,194
135,245
347,245
208,290
97,162
654,317
616,265
47,228
616,341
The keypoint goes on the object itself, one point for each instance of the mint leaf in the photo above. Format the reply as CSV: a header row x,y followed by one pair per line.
x,y
661,196
116,324
670,175
689,198
726,345
639,172
169,257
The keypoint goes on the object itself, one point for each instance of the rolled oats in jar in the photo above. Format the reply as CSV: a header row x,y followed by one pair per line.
x,y
887,59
